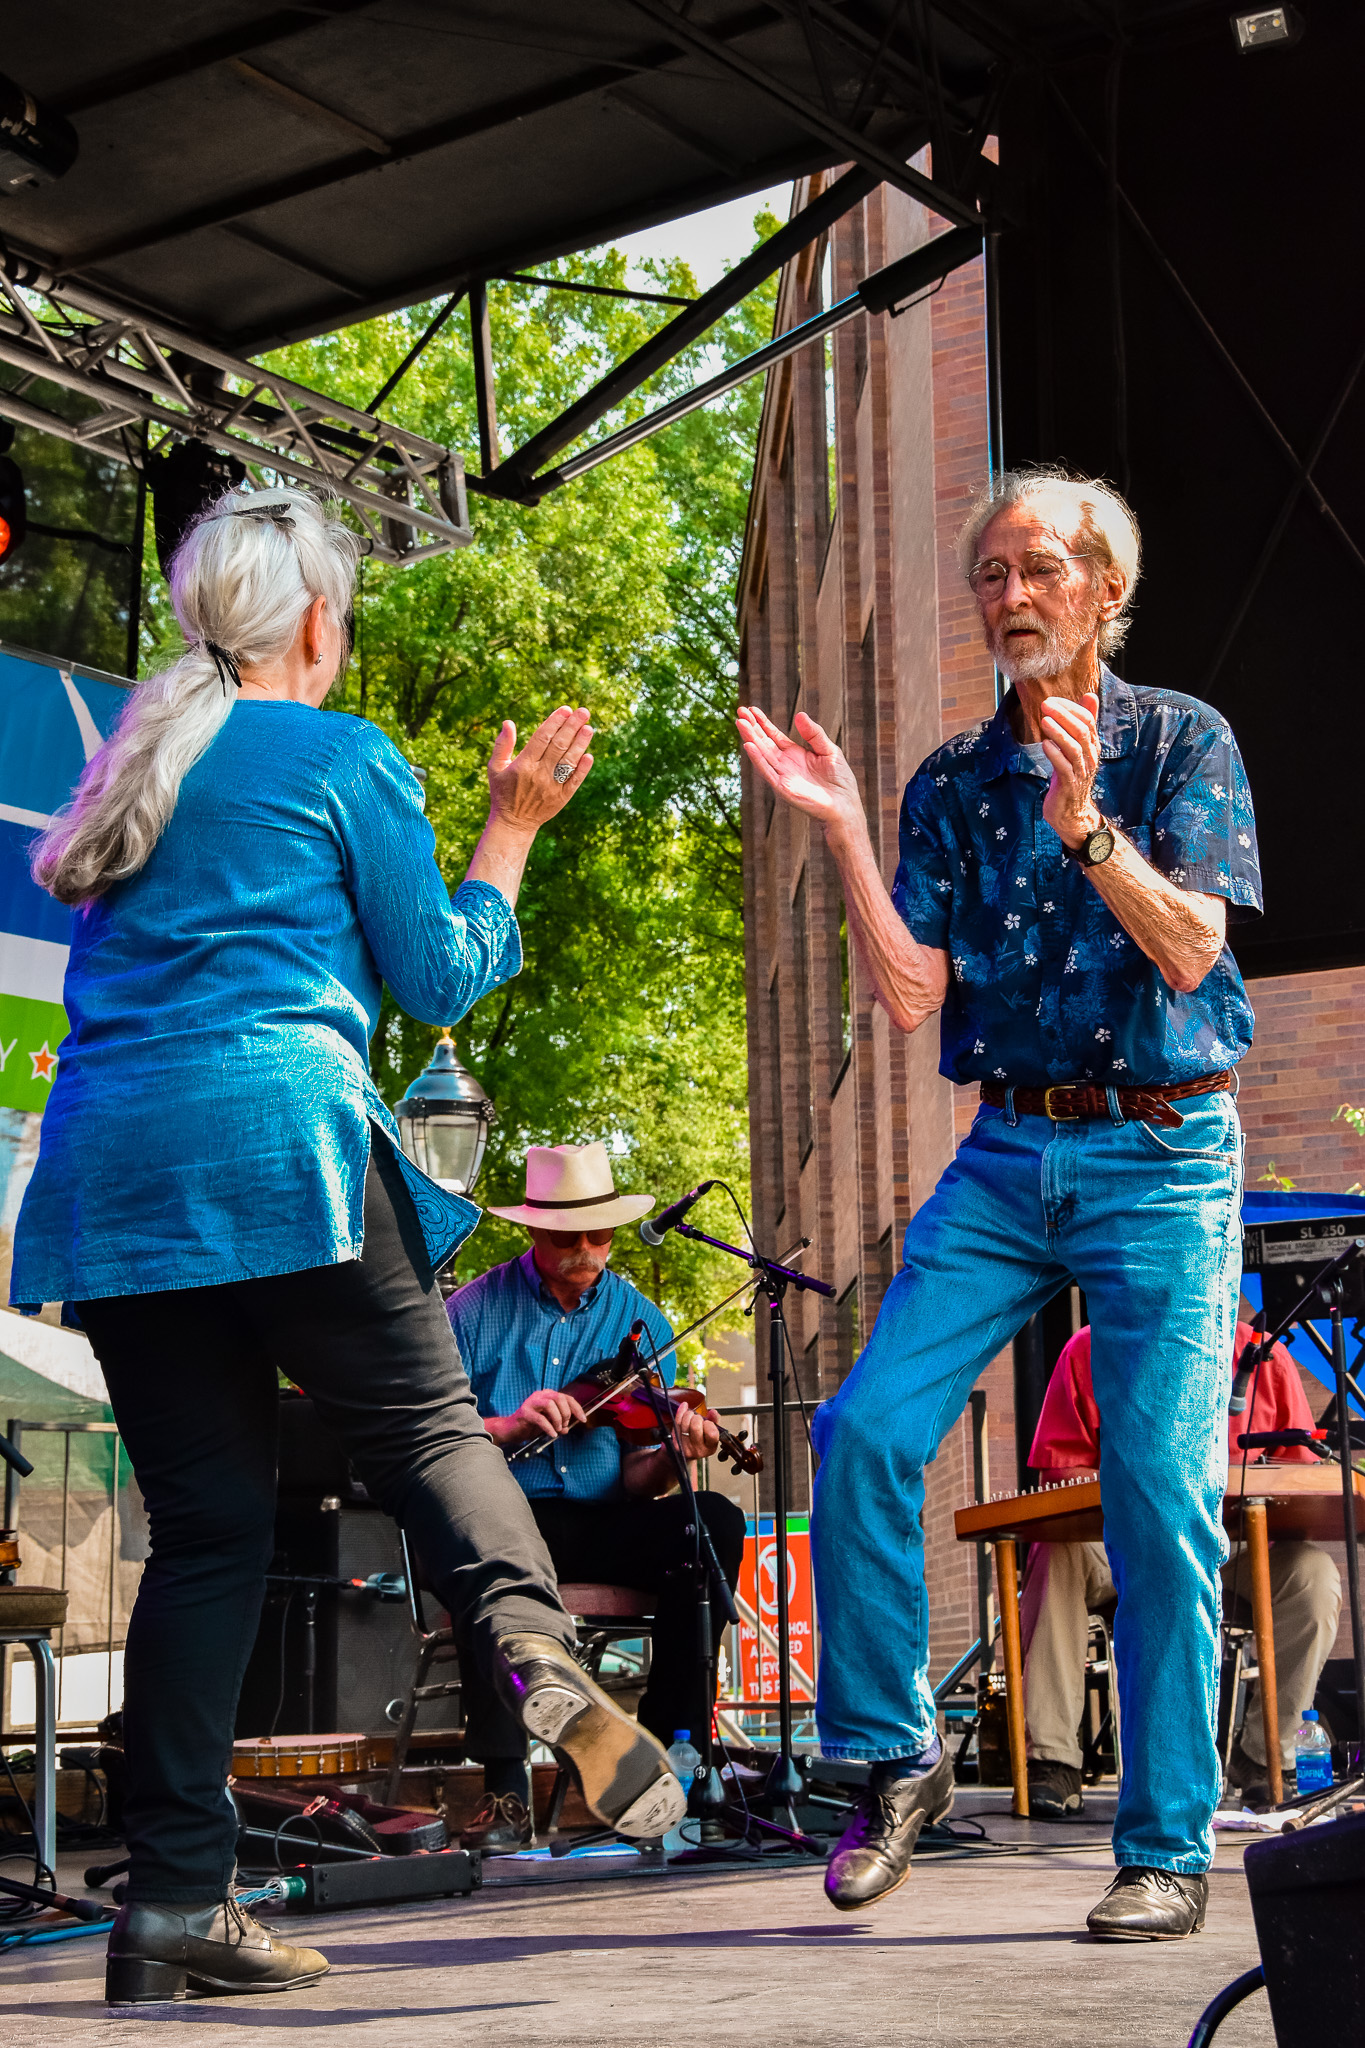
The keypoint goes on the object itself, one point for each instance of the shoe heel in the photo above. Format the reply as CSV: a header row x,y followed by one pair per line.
x,y
133,1980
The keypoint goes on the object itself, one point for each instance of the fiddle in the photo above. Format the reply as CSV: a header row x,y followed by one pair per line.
x,y
613,1395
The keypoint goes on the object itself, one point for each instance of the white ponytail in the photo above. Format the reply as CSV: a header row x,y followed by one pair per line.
x,y
241,580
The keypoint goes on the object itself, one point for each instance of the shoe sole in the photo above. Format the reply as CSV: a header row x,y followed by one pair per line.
x,y
621,1770
1096,1934
925,1820
143,1980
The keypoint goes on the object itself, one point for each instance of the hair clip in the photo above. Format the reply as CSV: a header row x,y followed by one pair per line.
x,y
225,663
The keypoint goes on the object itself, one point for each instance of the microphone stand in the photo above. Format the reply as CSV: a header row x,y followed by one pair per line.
x,y
784,1779
707,1577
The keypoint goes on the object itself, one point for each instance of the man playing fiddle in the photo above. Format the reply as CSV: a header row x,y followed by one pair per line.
x,y
609,1513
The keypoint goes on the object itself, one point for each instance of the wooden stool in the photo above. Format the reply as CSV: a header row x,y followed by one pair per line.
x,y
28,1615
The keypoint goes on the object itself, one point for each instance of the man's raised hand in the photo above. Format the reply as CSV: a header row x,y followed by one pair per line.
x,y
1071,743
813,777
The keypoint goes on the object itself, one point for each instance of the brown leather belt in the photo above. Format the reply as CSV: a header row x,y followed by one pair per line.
x,y
1067,1102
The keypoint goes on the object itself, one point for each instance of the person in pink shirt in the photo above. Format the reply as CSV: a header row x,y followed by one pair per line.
x,y
1065,1582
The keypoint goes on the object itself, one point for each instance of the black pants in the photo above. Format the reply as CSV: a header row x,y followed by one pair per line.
x,y
192,1381
639,1543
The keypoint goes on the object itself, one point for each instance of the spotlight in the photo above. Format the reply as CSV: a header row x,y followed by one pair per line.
x,y
1268,25
182,482
36,145
13,506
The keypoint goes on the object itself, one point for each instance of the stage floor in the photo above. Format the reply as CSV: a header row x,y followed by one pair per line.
x,y
973,1950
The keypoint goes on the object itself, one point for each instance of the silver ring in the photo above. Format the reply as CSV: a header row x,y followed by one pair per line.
x,y
563,770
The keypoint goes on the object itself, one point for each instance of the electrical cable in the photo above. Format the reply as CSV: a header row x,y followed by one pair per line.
x,y
284,1623
12,1909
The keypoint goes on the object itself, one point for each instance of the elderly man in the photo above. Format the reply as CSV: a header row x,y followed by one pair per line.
x,y
526,1330
1065,876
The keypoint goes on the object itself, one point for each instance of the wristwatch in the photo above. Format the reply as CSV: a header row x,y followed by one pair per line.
x,y
1095,847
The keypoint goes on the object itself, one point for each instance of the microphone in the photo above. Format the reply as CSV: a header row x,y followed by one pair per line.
x,y
654,1229
1246,1365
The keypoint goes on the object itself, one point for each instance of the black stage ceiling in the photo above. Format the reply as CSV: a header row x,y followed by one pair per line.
x,y
256,175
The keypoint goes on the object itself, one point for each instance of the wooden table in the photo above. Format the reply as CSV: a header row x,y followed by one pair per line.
x,y
1286,1500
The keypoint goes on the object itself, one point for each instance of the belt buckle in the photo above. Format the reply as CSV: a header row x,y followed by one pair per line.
x,y
1059,1088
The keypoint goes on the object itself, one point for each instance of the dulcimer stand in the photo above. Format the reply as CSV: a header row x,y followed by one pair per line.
x,y
784,1781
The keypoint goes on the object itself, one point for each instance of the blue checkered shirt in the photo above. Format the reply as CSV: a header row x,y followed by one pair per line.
x,y
515,1338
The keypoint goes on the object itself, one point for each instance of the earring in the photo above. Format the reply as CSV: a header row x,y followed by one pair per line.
x,y
317,658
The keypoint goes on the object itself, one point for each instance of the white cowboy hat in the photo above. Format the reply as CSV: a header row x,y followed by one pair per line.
x,y
569,1187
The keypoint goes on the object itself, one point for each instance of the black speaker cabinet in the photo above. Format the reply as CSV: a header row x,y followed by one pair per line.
x,y
364,1651
1308,1898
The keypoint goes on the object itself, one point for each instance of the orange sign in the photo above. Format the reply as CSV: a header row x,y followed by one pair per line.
x,y
756,1598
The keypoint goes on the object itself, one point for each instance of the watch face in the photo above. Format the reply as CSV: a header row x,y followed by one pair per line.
x,y
1099,846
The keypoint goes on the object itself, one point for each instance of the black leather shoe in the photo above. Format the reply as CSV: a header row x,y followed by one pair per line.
x,y
501,1826
873,1857
1150,1905
622,1772
1054,1790
158,1952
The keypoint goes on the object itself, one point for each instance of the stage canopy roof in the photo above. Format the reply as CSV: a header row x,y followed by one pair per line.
x,y
255,175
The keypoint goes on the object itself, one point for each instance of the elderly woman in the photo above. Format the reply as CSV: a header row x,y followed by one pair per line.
x,y
220,1193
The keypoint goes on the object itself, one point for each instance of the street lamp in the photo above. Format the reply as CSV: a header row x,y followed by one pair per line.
x,y
443,1120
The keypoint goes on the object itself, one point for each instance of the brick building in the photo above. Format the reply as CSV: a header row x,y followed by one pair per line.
x,y
852,609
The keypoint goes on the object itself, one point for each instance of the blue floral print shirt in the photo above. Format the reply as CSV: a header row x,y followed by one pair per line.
x,y
1046,985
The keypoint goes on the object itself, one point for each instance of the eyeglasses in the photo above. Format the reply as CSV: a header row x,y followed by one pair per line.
x,y
564,1240
1036,572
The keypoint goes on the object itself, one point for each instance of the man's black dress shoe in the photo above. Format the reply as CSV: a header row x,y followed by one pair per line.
x,y
1054,1790
1150,1905
622,1771
158,1952
501,1826
873,1857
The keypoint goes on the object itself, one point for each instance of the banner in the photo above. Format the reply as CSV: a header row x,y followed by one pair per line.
x,y
52,718
756,1598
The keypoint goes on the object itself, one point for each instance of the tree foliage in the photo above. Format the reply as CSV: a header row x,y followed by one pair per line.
x,y
617,592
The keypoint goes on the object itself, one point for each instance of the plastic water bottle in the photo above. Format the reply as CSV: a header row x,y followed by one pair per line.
x,y
1312,1754
686,1764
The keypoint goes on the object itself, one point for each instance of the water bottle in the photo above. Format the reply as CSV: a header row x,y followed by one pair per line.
x,y
1312,1754
685,1762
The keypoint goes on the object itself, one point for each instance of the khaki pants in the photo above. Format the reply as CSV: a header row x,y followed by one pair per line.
x,y
1064,1582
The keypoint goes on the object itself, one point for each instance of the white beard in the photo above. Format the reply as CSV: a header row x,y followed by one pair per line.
x,y
1056,647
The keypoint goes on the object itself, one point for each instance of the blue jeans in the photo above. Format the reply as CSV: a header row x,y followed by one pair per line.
x,y
1146,1222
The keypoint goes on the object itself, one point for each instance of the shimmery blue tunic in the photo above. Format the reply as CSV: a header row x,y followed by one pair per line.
x,y
210,1119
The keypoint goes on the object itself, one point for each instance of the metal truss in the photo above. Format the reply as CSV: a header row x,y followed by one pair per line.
x,y
408,494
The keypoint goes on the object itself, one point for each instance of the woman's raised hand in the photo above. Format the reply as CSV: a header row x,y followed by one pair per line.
x,y
522,789
813,777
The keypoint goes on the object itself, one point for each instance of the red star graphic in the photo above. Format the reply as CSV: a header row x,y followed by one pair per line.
x,y
43,1063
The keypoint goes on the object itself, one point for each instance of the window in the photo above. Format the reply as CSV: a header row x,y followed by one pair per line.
x,y
864,751
827,360
848,1331
845,1011
776,1152
805,1113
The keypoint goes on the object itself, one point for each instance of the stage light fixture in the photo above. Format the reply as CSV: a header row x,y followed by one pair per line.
x,y
1268,25
182,482
13,505
36,145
